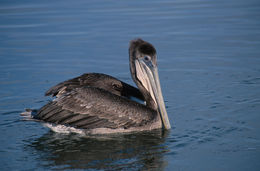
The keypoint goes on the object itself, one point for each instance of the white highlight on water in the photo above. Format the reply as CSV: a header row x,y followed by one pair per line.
x,y
63,129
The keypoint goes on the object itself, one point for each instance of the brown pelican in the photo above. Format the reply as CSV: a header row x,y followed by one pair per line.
x,y
102,108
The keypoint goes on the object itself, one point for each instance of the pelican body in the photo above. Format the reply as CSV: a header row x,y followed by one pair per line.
x,y
100,104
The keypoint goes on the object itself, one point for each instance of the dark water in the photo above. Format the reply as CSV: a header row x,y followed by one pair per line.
x,y
209,66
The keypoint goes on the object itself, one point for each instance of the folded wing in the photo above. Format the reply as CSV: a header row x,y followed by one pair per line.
x,y
97,80
90,107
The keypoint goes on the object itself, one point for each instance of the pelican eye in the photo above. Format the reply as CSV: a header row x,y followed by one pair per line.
x,y
147,58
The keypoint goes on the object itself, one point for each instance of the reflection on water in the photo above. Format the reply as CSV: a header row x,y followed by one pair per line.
x,y
140,151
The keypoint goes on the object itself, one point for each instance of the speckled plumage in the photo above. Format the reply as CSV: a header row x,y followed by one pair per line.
x,y
90,107
97,80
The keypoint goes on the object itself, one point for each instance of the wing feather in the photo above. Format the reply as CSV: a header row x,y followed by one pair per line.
x,y
97,80
90,107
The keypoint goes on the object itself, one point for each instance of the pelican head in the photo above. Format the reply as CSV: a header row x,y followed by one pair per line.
x,y
143,67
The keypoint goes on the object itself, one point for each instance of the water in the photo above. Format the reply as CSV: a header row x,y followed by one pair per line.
x,y
209,66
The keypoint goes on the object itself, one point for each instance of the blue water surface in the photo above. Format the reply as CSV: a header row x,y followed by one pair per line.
x,y
209,67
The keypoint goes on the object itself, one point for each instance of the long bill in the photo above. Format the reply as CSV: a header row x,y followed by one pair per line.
x,y
147,73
